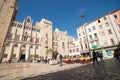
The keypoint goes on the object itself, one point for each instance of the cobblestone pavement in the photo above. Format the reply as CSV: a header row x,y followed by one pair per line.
x,y
17,71
107,70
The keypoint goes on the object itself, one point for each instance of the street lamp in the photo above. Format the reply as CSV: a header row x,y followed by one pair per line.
x,y
83,18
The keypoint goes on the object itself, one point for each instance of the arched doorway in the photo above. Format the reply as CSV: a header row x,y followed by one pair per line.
x,y
22,53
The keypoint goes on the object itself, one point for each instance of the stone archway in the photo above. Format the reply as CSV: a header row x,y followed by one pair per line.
x,y
22,53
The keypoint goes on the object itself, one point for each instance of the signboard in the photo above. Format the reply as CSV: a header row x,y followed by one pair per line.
x,y
94,46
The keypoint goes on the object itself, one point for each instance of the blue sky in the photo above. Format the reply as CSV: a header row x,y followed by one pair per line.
x,y
65,14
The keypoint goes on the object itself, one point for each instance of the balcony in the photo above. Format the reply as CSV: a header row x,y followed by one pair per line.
x,y
94,39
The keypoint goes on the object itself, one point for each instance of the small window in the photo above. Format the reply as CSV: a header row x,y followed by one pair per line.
x,y
98,21
115,16
100,26
70,51
90,36
119,26
103,33
109,31
107,24
89,30
95,34
94,28
105,18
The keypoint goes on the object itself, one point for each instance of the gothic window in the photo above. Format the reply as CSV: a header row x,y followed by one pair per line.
x,y
28,20
63,45
13,24
46,36
85,45
81,46
24,38
19,26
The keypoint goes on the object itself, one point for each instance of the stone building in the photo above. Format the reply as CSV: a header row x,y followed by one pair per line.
x,y
8,10
101,35
73,46
60,42
25,41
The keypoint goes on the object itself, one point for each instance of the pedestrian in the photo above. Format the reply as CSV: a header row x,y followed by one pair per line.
x,y
60,57
94,57
117,54
100,55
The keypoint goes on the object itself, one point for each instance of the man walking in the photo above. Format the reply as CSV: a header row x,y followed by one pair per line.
x,y
94,57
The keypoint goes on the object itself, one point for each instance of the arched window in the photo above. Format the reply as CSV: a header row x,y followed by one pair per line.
x,y
85,45
47,36
63,45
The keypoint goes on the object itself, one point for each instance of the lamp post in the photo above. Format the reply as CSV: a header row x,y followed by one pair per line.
x,y
83,18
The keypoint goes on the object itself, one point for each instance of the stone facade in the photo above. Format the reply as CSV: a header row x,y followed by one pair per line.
x,y
74,47
25,41
8,9
102,34
60,42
